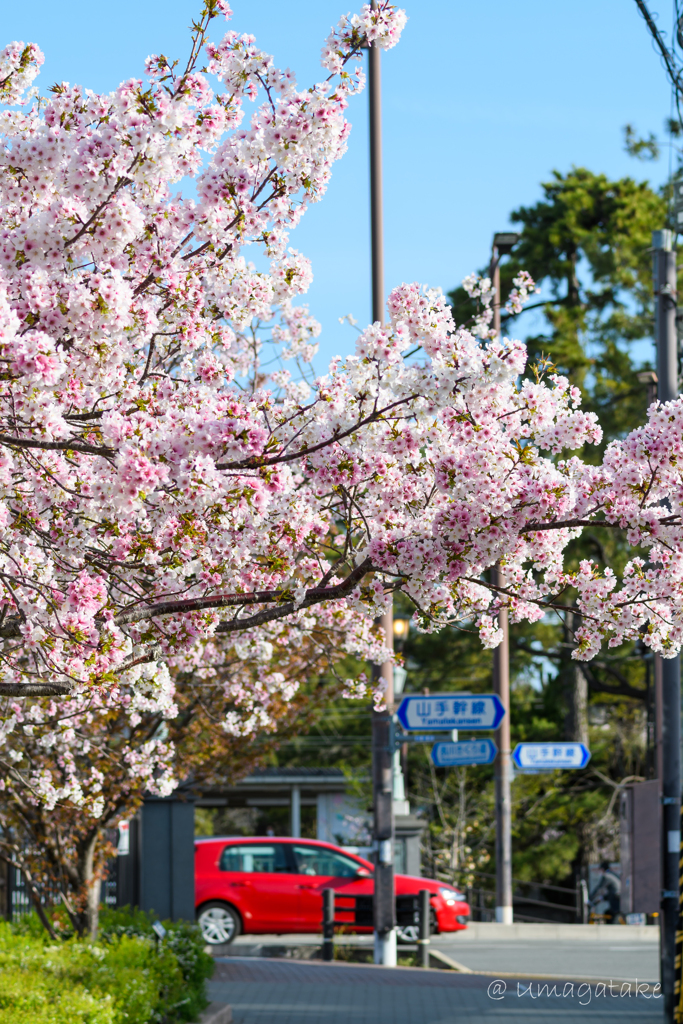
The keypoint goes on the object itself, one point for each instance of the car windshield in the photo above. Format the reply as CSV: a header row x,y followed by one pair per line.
x,y
317,860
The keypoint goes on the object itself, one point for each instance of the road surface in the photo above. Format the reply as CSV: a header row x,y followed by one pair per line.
x,y
295,992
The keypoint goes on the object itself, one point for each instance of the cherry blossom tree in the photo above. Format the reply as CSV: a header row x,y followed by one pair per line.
x,y
152,477
167,482
83,763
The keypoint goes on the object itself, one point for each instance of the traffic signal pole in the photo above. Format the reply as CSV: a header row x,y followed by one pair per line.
x,y
501,681
384,903
664,271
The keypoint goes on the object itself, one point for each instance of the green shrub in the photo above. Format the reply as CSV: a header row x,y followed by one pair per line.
x,y
184,992
41,983
127,977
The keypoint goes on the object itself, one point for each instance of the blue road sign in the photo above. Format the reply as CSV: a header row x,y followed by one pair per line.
x,y
547,756
450,711
446,755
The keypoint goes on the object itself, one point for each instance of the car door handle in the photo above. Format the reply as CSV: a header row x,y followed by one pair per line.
x,y
305,887
244,884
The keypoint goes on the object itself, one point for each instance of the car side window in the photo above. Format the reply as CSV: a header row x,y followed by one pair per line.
x,y
255,857
316,860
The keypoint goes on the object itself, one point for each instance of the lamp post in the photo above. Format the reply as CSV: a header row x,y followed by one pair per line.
x,y
503,243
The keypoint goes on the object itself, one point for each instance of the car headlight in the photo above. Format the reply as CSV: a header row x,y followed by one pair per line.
x,y
451,896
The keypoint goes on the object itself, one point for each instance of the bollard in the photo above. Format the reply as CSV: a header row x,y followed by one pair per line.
x,y
328,924
425,914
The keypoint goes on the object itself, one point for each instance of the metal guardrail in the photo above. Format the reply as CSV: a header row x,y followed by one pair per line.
x,y
574,910
358,910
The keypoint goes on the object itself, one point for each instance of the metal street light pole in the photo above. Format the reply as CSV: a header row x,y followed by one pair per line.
x,y
384,903
664,272
503,243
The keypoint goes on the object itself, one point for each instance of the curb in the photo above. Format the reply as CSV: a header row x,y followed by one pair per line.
x,y
447,961
647,987
444,961
216,1013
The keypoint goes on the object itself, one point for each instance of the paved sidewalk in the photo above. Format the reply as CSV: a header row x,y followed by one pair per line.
x,y
579,959
291,992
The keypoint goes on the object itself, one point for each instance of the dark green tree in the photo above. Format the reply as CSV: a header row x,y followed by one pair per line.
x,y
587,244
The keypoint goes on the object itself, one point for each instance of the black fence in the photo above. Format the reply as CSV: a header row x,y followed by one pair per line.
x,y
17,901
531,901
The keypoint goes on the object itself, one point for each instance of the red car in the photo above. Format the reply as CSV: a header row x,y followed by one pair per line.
x,y
272,885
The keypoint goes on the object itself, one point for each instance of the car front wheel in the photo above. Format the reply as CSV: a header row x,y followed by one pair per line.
x,y
219,923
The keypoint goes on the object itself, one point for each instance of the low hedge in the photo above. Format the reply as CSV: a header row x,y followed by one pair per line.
x,y
128,976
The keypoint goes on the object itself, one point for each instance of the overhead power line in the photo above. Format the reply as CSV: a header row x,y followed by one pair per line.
x,y
672,63
669,58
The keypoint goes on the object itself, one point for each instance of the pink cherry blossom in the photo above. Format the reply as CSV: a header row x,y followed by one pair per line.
x,y
173,476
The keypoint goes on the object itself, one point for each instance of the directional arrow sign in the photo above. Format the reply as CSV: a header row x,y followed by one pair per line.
x,y
450,711
446,755
551,755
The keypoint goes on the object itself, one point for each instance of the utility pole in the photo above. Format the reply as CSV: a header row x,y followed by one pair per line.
x,y
503,243
503,769
384,903
664,273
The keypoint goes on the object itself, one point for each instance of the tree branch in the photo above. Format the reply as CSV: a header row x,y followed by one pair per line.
x,y
258,461
570,523
35,689
313,596
57,446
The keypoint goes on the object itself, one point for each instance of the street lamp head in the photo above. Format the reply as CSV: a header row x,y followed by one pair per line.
x,y
647,377
399,679
505,241
401,628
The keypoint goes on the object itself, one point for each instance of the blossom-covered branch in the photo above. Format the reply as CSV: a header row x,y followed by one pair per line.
x,y
162,481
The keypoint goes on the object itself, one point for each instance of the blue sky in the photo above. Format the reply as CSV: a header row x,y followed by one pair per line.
x,y
482,100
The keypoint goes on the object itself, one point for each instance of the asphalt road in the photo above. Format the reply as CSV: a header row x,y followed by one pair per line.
x,y
573,958
294,992
621,959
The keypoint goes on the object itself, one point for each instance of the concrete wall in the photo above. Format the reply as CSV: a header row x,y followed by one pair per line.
x,y
477,931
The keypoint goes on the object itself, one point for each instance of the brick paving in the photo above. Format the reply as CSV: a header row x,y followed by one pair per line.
x,y
290,992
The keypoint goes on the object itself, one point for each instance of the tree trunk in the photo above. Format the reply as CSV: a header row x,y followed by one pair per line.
x,y
575,687
577,706
91,885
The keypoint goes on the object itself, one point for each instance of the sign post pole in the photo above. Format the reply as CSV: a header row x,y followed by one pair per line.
x,y
667,390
